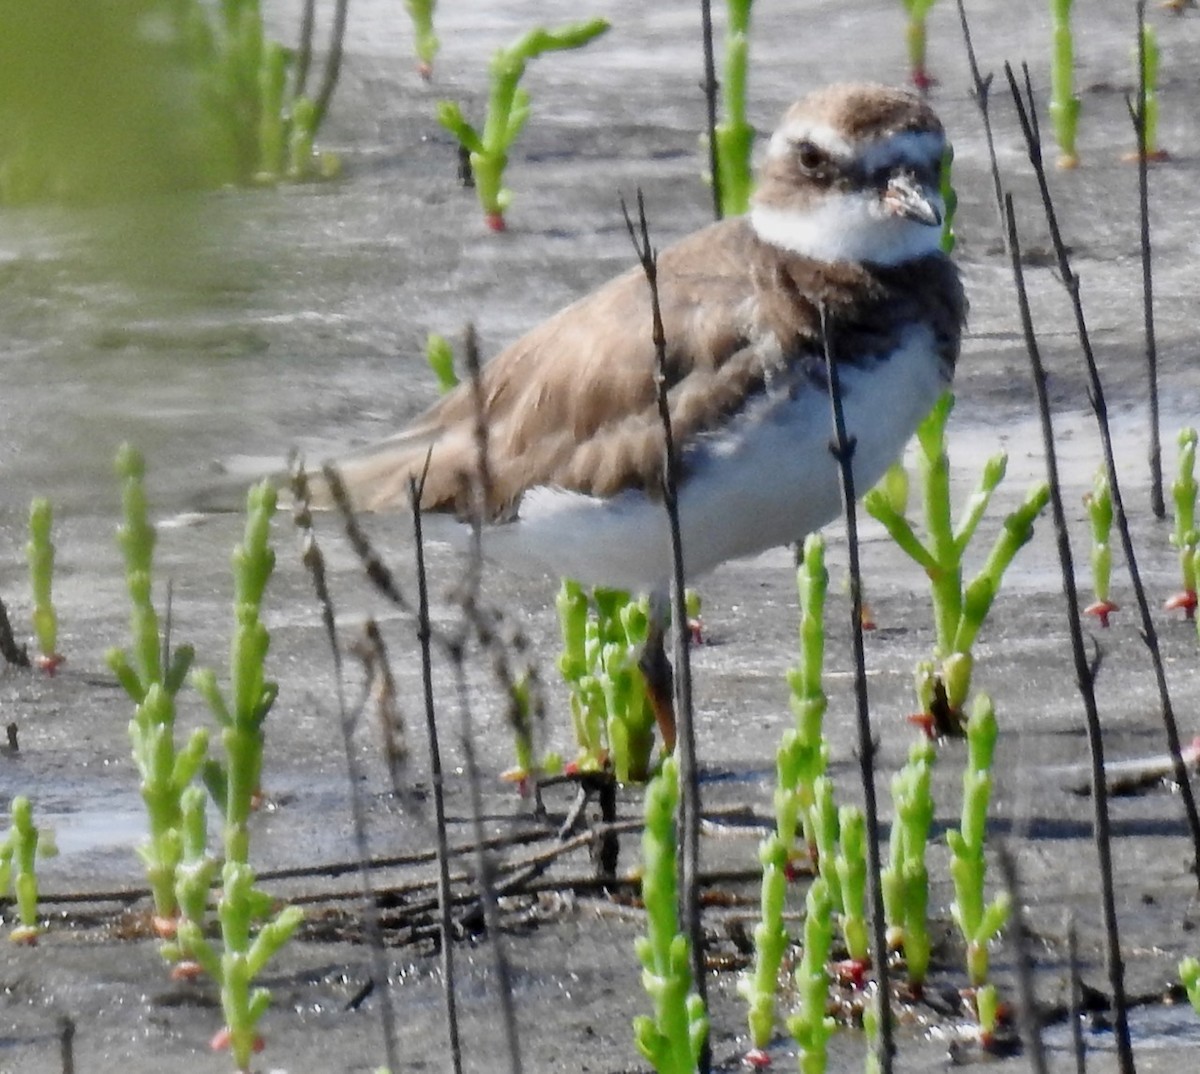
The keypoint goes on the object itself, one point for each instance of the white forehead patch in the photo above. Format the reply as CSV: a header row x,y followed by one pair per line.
x,y
822,136
847,227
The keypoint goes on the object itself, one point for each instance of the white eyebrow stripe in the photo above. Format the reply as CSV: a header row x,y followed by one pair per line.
x,y
822,136
911,147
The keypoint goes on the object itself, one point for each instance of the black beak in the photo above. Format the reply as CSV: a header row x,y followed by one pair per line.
x,y
906,196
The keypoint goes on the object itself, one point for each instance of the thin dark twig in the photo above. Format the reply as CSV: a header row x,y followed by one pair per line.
x,y
982,86
304,48
1101,829
314,561
445,918
372,651
1018,940
842,448
328,869
378,572
333,63
1027,116
1137,113
16,655
710,101
484,875
479,482
689,783
168,620
66,1043
1075,1001
480,498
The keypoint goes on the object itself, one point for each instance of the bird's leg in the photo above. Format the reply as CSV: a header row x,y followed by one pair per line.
x,y
656,670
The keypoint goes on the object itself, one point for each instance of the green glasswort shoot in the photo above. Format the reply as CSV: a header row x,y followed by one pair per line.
x,y
735,135
270,134
174,95
810,1025
959,612
671,1041
823,822
949,200
572,606
1189,977
760,985
40,554
1151,55
803,752
978,922
916,39
622,625
193,878
425,41
165,771
851,864
799,763
440,356
235,784
610,706
1100,511
1185,538
507,111
870,1021
1064,102
243,956
22,845
905,881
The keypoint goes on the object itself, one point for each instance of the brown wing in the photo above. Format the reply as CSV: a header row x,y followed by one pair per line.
x,y
572,403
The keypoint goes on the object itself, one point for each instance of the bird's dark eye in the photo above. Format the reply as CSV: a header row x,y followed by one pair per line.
x,y
810,156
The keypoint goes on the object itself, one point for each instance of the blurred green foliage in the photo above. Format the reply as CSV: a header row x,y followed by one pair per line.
x,y
113,99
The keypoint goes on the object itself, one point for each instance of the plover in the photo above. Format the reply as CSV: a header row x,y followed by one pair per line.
x,y
847,217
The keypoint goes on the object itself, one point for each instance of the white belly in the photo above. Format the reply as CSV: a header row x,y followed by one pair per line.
x,y
767,480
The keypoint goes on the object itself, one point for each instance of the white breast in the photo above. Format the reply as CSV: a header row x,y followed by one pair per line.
x,y
765,480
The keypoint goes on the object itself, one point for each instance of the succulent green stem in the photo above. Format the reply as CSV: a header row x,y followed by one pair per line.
x,y
915,39
508,110
851,867
735,135
1064,103
949,200
1184,536
959,612
425,41
243,956
235,783
978,922
40,554
671,1041
440,356
810,1025
165,770
1150,60
802,796
1189,976
905,881
22,845
610,705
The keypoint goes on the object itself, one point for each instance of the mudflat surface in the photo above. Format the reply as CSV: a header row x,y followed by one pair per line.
x,y
296,318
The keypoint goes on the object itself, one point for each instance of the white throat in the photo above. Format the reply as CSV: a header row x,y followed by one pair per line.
x,y
847,227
